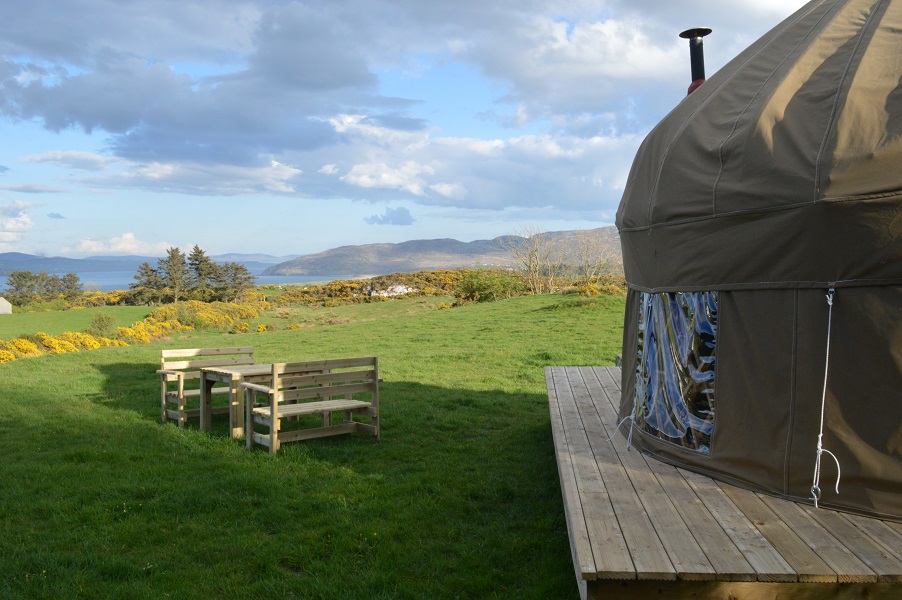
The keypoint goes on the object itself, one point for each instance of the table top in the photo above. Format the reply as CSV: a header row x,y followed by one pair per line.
x,y
240,370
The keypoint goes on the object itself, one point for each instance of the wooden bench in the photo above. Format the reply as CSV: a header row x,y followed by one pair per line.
x,y
640,528
181,366
310,388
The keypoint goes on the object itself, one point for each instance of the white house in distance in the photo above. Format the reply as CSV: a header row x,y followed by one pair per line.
x,y
5,307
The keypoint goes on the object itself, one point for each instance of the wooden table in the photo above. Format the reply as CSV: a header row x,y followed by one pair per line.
x,y
233,375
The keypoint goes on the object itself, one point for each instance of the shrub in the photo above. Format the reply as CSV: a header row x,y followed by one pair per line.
x,y
82,341
241,327
6,356
102,325
54,345
486,285
24,347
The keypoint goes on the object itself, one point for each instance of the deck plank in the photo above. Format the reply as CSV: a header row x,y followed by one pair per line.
x,y
728,562
683,551
804,561
844,563
581,549
645,548
640,522
589,497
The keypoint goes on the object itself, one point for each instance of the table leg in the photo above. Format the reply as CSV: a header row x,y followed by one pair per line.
x,y
236,408
206,403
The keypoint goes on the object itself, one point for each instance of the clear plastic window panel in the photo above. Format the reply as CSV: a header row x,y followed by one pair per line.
x,y
675,369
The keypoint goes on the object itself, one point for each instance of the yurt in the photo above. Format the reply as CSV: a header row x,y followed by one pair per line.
x,y
761,227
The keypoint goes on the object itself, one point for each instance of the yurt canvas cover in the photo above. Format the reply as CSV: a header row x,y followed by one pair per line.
x,y
768,193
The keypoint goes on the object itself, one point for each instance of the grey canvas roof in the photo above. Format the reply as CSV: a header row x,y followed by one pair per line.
x,y
784,169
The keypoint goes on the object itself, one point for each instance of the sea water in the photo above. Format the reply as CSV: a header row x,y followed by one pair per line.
x,y
119,280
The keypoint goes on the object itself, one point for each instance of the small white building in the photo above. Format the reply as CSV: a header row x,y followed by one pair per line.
x,y
5,307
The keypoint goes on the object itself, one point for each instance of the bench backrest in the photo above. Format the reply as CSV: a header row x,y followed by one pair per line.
x,y
324,379
197,358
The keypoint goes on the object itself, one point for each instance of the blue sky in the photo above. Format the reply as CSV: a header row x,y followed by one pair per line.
x,y
294,127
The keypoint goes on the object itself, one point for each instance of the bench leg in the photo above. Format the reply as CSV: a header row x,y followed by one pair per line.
x,y
274,437
249,419
163,403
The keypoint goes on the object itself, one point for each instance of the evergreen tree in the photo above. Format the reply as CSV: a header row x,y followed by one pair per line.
x,y
235,279
174,271
202,275
23,287
70,287
148,285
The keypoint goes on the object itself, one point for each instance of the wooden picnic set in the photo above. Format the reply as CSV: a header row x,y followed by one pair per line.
x,y
264,397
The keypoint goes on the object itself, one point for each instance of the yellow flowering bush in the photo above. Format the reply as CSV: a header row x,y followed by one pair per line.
x,y
294,326
6,356
82,341
241,327
24,348
136,333
54,345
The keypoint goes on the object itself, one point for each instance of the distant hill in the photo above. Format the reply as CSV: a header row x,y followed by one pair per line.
x,y
345,261
379,259
418,255
17,261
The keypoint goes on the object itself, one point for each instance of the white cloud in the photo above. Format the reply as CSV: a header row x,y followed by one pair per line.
x,y
408,177
14,222
126,243
74,159
392,216
203,179
31,188
450,190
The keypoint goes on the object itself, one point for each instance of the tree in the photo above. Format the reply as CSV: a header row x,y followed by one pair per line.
x,y
202,275
594,255
536,253
24,287
174,272
70,286
234,280
148,285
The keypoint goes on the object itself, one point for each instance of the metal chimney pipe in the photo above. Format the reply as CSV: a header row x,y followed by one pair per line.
x,y
696,55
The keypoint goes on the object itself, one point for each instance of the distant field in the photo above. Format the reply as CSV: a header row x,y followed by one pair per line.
x,y
460,499
57,322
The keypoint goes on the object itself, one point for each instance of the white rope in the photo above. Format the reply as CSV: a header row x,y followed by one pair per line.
x,y
632,419
816,483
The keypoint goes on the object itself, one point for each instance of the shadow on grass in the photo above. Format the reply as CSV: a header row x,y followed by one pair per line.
x,y
464,482
410,412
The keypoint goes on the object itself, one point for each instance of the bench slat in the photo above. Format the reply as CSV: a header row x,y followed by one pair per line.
x,y
310,408
183,352
210,362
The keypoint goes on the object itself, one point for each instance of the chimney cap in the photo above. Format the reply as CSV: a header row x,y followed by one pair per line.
x,y
695,32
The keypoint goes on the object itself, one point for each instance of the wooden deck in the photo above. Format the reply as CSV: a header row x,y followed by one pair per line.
x,y
640,528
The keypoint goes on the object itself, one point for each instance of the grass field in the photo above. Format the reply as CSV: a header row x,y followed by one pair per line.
x,y
460,499
57,322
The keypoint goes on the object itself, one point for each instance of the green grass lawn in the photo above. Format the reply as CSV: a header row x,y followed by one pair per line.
x,y
460,499
57,322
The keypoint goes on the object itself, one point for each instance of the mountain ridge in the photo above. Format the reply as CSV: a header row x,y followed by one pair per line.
x,y
342,261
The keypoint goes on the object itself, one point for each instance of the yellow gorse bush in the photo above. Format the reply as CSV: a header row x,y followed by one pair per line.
x,y
82,341
54,345
24,348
